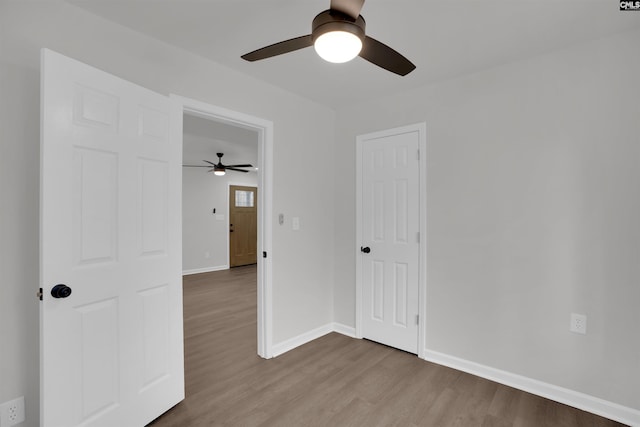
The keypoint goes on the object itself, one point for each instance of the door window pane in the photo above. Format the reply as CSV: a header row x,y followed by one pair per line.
x,y
244,199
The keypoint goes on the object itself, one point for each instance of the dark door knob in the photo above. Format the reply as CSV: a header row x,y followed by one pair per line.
x,y
60,291
366,249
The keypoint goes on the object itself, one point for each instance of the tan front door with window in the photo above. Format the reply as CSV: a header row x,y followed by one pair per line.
x,y
243,225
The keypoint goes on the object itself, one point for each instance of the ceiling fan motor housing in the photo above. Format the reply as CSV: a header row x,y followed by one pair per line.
x,y
333,20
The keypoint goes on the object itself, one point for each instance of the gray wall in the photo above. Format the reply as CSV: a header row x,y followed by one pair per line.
x,y
533,209
19,256
304,132
202,231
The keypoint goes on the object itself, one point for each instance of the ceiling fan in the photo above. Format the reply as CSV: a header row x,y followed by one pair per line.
x,y
220,169
338,35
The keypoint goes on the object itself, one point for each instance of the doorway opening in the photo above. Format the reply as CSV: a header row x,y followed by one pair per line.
x,y
262,132
218,231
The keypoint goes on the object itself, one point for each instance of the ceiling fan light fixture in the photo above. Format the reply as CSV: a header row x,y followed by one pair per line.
x,y
338,46
218,171
328,37
337,37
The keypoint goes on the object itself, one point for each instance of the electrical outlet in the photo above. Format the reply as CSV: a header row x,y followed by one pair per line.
x,y
12,412
578,323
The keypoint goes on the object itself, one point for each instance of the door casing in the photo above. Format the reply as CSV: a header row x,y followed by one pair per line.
x,y
421,128
264,128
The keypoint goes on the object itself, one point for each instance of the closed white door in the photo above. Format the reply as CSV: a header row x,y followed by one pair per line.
x,y
389,238
111,331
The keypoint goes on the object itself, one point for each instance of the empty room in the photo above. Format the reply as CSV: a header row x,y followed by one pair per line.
x,y
445,200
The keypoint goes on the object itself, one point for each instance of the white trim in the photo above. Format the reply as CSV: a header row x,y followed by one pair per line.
x,y
573,398
422,275
301,339
421,128
205,270
265,209
344,329
358,326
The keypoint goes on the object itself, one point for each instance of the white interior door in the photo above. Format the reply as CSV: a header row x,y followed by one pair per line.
x,y
389,223
111,350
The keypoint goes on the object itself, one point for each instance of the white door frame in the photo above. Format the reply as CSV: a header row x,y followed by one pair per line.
x,y
421,128
265,184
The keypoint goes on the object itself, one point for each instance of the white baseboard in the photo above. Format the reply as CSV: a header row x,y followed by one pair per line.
x,y
576,399
205,270
344,329
291,343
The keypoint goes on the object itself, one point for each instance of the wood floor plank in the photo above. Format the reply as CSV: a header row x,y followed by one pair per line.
x,y
332,381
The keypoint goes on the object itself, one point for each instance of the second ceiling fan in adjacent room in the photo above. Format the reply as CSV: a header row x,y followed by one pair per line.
x,y
219,168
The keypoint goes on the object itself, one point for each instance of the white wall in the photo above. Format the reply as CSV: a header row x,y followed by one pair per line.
x,y
533,211
303,132
533,198
204,232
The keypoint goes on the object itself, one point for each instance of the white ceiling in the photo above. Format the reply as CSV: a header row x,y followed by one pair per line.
x,y
444,38
204,138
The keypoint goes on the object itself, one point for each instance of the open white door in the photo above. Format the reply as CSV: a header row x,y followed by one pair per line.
x,y
389,218
112,349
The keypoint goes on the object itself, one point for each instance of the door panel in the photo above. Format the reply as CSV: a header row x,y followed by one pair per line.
x,y
153,176
156,333
99,356
112,351
390,225
95,201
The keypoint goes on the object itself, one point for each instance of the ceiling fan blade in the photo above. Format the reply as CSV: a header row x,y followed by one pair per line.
x,y
383,56
239,166
349,7
212,164
235,169
279,48
195,166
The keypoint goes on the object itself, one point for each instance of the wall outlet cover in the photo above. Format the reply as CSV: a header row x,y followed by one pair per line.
x,y
12,412
578,323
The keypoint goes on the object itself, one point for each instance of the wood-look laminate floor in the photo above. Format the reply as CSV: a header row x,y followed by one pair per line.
x,y
332,381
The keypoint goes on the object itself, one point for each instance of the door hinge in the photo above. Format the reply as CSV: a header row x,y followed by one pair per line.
x,y
417,319
264,254
39,294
